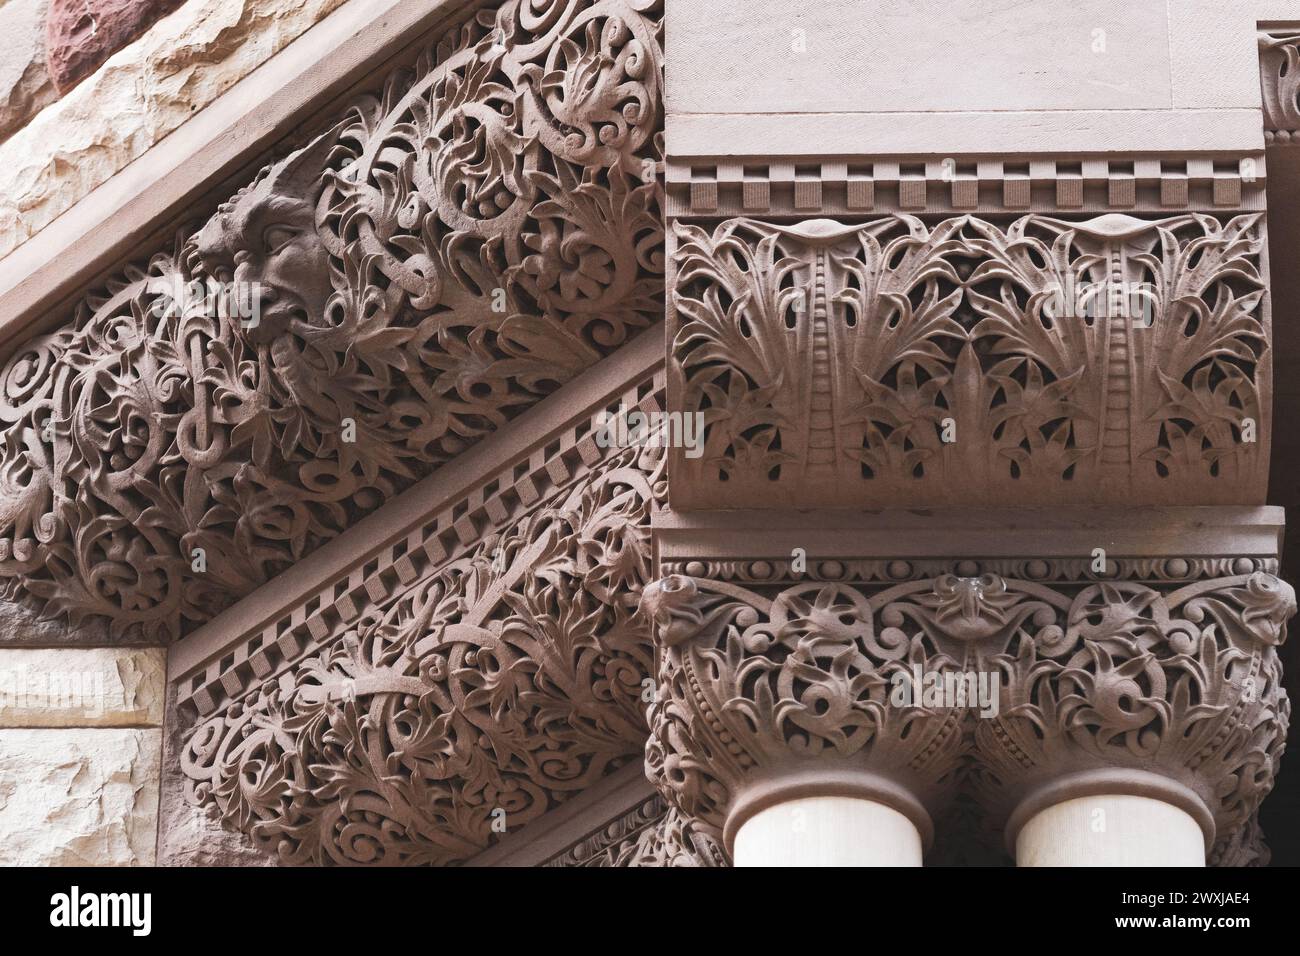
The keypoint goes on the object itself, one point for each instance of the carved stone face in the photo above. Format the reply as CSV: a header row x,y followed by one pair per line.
x,y
265,242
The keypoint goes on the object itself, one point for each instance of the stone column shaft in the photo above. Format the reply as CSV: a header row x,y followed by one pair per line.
x,y
827,831
1111,830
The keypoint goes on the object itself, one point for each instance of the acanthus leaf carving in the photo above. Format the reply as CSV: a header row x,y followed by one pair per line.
x,y
487,692
1279,81
899,363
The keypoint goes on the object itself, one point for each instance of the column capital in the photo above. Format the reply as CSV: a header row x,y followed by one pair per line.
x,y
764,698
1159,680
1166,692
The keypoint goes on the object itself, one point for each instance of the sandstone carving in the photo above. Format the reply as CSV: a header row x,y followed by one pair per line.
x,y
489,225
647,835
900,364
454,249
1279,81
468,706
1104,687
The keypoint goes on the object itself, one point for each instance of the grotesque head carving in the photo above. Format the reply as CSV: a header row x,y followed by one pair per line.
x,y
264,243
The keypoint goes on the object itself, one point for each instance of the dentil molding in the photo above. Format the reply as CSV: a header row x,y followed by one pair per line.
x,y
460,703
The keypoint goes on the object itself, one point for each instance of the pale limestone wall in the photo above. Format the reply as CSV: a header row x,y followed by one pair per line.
x,y
145,91
80,755
766,77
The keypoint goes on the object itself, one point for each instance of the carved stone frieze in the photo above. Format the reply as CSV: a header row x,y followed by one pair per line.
x,y
900,363
1158,689
465,706
453,249
650,834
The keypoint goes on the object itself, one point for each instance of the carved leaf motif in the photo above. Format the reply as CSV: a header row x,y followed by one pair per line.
x,y
1180,682
454,249
493,685
899,363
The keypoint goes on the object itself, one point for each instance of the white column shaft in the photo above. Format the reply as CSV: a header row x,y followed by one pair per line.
x,y
1111,830
828,831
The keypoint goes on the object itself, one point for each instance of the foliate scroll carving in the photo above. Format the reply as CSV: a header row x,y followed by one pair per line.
x,y
1244,847
650,835
1185,684
673,841
451,251
1279,82
750,686
474,701
900,363
1179,681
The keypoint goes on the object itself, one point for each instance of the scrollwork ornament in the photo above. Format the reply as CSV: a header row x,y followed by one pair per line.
x,y
1179,684
473,703
454,249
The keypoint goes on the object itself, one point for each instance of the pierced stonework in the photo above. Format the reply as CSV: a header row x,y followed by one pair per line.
x,y
466,706
1183,685
650,834
752,688
1102,688
895,363
453,250
487,227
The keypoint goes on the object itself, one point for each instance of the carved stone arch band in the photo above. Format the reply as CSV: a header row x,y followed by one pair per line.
x,y
460,244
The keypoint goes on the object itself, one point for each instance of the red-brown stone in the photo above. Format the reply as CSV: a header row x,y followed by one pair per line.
x,y
82,34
